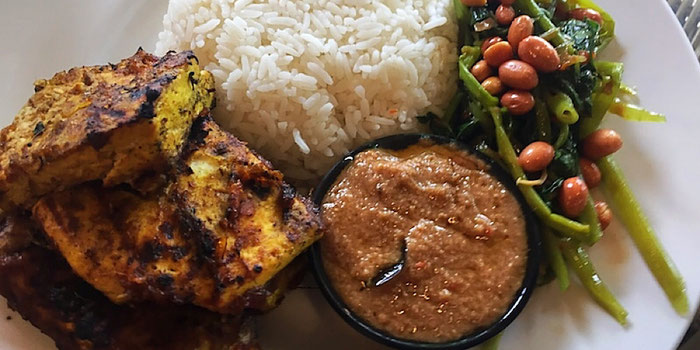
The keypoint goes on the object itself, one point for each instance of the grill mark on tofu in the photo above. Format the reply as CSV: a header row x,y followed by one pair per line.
x,y
215,234
73,129
47,293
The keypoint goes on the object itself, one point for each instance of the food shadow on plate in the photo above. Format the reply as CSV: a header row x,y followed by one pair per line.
x,y
548,304
306,321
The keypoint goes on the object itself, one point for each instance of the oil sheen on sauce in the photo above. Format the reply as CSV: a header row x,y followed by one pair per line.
x,y
464,233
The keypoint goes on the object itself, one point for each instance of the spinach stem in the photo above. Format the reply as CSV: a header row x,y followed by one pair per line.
x,y
630,213
530,8
556,259
579,261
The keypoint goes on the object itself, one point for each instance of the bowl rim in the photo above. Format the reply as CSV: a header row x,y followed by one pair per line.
x,y
534,255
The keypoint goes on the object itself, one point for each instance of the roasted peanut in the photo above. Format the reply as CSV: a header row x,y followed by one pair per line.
x,y
521,28
583,13
518,102
504,15
493,85
539,53
573,196
498,53
518,75
601,143
536,156
481,70
490,41
604,214
591,173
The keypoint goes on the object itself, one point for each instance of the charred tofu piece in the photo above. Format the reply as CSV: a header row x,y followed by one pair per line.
x,y
216,236
110,123
40,285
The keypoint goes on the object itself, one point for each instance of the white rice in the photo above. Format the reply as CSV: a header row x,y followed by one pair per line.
x,y
304,82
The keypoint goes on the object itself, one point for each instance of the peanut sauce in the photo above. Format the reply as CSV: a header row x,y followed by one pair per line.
x,y
464,234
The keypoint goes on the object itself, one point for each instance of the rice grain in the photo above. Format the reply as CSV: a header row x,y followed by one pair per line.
x,y
305,81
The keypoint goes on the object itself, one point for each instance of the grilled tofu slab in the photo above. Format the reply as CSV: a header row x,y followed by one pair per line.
x,y
217,233
41,286
110,123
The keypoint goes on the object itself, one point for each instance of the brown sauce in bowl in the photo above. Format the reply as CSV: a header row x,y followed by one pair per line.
x,y
463,232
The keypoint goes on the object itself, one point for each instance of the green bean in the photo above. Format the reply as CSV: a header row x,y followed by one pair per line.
x,y
472,85
542,122
589,216
492,344
556,260
578,259
530,8
604,96
563,136
630,213
561,106
539,207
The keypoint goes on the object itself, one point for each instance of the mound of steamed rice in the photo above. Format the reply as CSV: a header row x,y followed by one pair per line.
x,y
304,82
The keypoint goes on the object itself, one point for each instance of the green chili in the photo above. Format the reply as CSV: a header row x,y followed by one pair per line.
x,y
556,260
578,259
630,213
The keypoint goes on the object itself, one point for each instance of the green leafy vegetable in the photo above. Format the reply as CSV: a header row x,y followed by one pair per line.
x,y
607,30
610,74
578,83
565,162
436,124
583,34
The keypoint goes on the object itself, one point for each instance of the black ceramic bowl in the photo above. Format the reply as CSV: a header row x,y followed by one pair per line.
x,y
397,142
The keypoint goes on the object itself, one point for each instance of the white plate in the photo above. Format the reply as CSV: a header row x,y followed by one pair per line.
x,y
40,38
